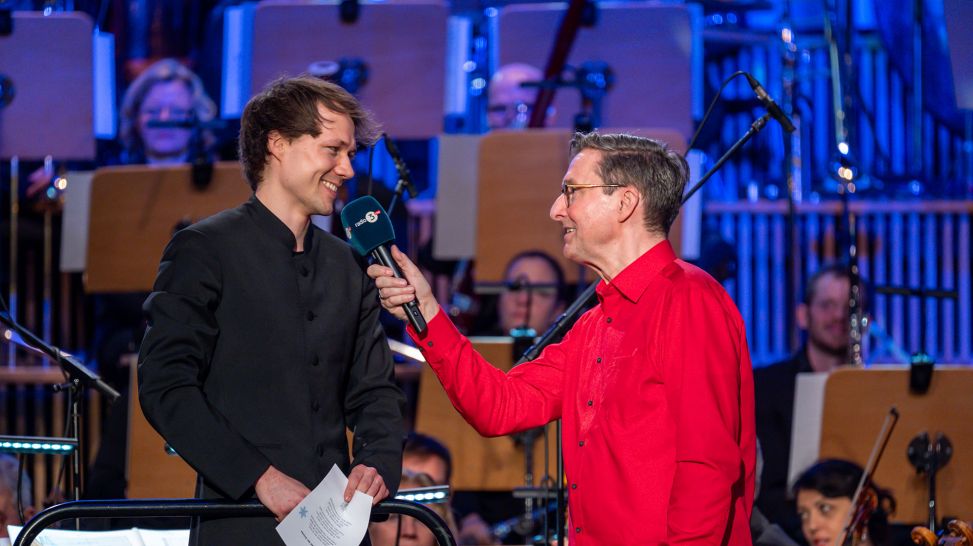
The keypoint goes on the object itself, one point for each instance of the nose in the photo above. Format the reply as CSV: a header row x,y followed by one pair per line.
x,y
812,524
409,527
559,208
344,169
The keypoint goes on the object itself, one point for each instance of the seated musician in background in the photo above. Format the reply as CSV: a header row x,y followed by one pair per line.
x,y
533,295
401,530
166,92
9,511
824,501
423,454
654,383
824,315
510,103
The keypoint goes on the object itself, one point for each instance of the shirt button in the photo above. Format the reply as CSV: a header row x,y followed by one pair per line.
x,y
310,315
574,486
577,530
320,450
314,361
609,320
591,402
305,271
598,360
581,443
429,344
315,406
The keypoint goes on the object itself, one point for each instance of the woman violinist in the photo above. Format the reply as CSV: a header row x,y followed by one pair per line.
x,y
824,495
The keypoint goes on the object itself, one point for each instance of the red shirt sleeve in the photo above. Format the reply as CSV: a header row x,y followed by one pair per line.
x,y
702,363
492,401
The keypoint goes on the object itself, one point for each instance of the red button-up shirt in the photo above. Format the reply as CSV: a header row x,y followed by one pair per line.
x,y
655,388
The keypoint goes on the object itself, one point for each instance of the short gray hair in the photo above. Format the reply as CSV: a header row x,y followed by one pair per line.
x,y
658,172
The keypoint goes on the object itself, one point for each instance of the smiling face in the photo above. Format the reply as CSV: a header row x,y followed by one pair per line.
x,y
822,518
307,171
165,101
586,215
826,317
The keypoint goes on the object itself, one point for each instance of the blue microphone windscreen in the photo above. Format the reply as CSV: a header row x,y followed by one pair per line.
x,y
367,225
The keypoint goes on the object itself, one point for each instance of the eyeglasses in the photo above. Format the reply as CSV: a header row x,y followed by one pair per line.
x,y
567,190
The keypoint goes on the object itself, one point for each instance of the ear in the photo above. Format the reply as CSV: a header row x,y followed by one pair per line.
x,y
629,203
275,144
800,315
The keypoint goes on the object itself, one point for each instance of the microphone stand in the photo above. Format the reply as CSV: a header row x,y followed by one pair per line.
x,y
79,377
755,128
553,335
567,319
402,170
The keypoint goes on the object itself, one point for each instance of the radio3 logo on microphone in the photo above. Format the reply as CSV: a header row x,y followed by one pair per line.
x,y
371,217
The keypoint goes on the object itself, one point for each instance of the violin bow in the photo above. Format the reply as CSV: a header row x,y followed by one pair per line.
x,y
891,418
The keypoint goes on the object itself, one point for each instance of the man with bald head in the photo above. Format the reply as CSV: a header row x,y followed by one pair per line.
x,y
511,102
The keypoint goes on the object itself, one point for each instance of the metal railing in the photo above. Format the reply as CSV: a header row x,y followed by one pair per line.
x,y
207,508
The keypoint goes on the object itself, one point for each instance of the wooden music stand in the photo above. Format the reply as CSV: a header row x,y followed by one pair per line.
x,y
653,50
48,60
855,404
479,464
150,471
134,211
520,175
406,82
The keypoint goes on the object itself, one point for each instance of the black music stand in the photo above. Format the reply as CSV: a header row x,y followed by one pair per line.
x,y
402,66
654,51
47,63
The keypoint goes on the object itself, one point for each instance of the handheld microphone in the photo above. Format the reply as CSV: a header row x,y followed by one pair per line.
x,y
771,106
405,177
370,232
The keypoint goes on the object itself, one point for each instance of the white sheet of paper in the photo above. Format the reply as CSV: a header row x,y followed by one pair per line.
x,y
63,537
323,518
806,430
167,537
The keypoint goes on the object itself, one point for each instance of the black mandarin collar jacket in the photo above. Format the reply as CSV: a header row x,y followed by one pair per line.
x,y
256,355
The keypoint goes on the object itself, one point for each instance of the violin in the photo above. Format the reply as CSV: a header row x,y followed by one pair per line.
x,y
866,499
958,533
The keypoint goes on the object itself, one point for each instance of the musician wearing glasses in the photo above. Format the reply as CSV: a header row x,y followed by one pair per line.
x,y
653,384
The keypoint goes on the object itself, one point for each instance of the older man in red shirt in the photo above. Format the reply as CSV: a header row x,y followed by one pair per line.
x,y
654,384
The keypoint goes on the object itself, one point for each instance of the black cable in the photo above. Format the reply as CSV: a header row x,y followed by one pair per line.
x,y
68,428
712,103
102,14
371,155
20,486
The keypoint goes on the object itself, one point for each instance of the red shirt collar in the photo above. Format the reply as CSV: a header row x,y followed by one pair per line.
x,y
634,279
